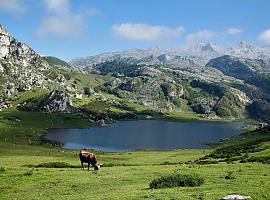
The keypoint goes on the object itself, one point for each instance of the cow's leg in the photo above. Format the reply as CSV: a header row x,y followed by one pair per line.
x,y
82,166
88,166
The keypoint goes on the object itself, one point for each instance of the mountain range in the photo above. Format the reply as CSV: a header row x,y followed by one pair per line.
x,y
205,79
186,54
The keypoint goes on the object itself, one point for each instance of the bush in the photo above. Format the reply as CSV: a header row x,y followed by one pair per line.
x,y
28,173
261,159
87,91
54,165
230,175
2,169
177,180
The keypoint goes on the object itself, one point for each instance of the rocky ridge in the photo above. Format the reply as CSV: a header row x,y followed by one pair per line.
x,y
186,55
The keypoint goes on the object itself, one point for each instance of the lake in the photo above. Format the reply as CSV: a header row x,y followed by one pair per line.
x,y
145,135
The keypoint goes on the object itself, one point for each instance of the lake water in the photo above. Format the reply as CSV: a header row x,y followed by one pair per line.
x,y
145,135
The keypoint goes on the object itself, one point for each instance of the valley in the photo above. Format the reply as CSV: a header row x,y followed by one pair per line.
x,y
204,83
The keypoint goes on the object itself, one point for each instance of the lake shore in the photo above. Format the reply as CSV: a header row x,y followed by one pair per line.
x,y
127,174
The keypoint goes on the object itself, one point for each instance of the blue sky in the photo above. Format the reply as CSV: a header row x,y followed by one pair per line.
x,y
70,28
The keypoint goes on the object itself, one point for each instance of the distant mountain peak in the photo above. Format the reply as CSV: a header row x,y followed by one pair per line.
x,y
3,31
247,50
245,44
199,53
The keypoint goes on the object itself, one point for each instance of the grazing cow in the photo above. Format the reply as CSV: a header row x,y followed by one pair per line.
x,y
89,158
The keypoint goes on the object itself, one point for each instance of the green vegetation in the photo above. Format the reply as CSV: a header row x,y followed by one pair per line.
x,y
87,91
230,175
248,147
177,180
54,165
113,67
127,175
55,61
31,168
261,80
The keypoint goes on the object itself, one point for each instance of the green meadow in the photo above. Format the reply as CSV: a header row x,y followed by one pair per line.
x,y
26,167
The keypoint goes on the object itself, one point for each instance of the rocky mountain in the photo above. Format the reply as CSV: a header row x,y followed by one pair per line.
x,y
241,68
226,86
19,53
206,79
247,50
22,69
186,55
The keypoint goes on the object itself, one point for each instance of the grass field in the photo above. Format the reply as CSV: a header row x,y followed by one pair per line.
x,y
124,175
127,176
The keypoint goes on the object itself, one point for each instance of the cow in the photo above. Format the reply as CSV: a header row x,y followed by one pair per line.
x,y
89,158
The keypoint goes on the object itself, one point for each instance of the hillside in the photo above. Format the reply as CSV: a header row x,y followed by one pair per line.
x,y
226,87
29,80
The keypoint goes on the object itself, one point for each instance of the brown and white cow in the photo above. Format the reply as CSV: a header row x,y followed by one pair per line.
x,y
89,158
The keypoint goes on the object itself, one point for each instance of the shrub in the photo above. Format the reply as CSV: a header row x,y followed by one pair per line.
x,y
28,173
177,180
2,169
230,175
54,165
261,159
87,91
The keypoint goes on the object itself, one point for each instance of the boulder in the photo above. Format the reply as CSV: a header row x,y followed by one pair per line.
x,y
56,101
236,196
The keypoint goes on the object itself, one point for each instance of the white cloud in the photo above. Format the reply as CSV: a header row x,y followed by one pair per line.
x,y
265,36
57,5
200,36
93,12
62,21
132,31
234,31
12,6
64,25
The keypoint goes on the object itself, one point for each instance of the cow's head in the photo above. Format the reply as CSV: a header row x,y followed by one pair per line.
x,y
97,166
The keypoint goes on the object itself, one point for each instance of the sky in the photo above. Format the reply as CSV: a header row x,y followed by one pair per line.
x,y
72,28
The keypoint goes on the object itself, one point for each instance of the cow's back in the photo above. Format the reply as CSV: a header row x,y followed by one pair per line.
x,y
87,157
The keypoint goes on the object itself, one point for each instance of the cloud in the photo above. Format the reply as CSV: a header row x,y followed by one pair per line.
x,y
61,6
62,21
200,36
234,31
64,26
265,36
93,12
132,31
12,6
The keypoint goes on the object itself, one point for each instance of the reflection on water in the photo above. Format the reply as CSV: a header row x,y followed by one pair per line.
x,y
145,134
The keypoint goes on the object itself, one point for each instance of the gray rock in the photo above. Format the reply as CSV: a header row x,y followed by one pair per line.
x,y
235,196
56,101
1,68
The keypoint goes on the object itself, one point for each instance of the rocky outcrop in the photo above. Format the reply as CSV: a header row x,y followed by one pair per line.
x,y
22,69
18,52
239,67
55,101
